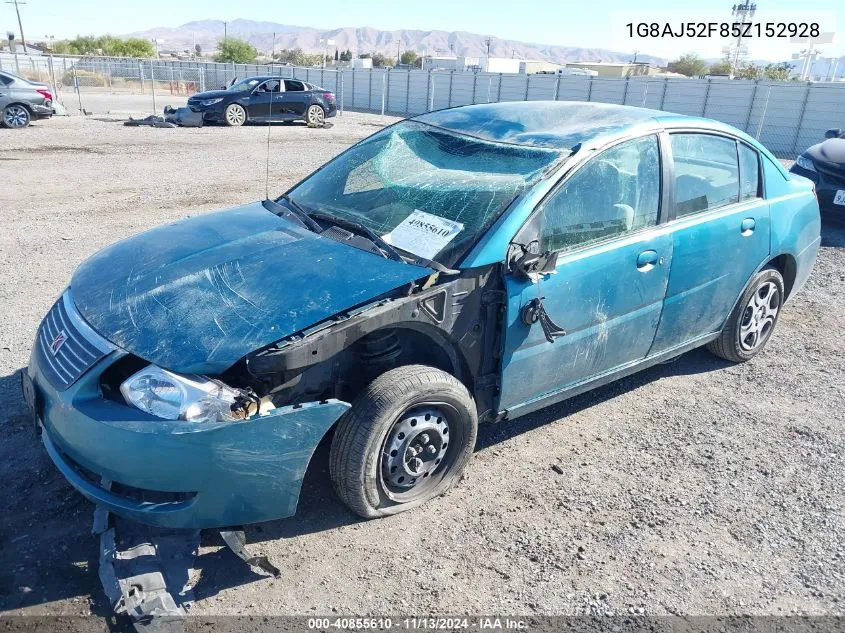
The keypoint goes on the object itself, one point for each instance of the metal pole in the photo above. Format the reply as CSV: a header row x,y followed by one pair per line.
x,y
763,114
341,92
153,85
78,91
383,91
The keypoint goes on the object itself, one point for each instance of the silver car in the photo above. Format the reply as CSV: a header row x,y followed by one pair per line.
x,y
22,100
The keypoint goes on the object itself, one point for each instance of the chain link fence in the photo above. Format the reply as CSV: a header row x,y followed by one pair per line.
x,y
785,116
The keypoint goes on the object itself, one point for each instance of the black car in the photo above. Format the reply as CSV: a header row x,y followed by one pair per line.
x,y
263,99
824,164
22,101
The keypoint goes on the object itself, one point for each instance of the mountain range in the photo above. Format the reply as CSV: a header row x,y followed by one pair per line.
x,y
365,39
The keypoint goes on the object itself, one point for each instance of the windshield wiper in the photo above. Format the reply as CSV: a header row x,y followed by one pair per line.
x,y
366,232
293,209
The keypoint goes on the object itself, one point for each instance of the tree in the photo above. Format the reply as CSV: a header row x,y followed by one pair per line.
x,y
346,56
197,50
106,45
410,58
297,57
336,55
234,50
748,70
380,61
721,68
690,65
778,72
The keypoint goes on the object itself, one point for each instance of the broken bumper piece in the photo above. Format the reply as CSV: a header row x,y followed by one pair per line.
x,y
178,475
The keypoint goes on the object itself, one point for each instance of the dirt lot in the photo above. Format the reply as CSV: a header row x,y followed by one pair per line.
x,y
695,487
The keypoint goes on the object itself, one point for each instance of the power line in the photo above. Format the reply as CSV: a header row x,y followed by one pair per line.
x,y
20,24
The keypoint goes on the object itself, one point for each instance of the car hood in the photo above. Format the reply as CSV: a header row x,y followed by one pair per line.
x,y
212,94
830,152
198,295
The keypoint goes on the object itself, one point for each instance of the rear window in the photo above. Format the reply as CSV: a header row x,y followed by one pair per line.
x,y
706,172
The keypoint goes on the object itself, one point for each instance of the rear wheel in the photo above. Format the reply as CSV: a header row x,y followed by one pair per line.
x,y
315,116
16,116
406,439
753,320
235,115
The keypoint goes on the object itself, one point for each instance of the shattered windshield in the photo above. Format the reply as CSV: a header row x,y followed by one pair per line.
x,y
426,190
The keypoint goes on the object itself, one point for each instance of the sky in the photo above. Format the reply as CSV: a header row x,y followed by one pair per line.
x,y
584,24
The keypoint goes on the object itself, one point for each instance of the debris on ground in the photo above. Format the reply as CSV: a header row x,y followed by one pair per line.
x,y
145,571
151,121
236,540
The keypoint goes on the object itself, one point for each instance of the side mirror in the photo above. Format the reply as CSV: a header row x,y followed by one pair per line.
x,y
833,133
526,261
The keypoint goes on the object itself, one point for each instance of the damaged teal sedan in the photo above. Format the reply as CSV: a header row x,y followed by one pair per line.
x,y
464,266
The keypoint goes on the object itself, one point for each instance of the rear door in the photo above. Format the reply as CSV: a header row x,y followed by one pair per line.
x,y
608,289
720,233
296,98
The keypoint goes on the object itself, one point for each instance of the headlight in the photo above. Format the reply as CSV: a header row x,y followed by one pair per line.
x,y
805,162
176,397
208,102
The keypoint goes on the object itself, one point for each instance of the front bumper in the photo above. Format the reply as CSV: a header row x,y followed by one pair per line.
x,y
172,474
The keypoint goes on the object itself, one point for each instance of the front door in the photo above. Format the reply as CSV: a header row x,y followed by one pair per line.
x,y
720,234
264,102
612,271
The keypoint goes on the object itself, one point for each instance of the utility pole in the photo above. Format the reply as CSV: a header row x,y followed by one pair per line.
x,y
741,13
487,65
398,45
20,24
225,33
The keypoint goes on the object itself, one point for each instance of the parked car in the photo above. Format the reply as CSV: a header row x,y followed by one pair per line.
x,y
263,99
22,100
824,164
467,265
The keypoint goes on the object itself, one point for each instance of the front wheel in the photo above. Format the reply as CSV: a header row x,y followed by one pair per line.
x,y
406,439
235,115
315,116
16,116
753,319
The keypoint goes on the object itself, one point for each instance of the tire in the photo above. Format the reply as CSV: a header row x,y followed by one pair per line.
x,y
235,115
16,116
429,419
753,319
315,116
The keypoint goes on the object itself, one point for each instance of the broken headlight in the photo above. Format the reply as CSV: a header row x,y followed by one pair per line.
x,y
171,396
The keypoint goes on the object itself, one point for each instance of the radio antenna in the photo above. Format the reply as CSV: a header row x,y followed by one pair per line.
x,y
267,162
270,124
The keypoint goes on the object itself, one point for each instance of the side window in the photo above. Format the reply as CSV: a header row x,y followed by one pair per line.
x,y
706,172
4,80
293,86
749,171
616,192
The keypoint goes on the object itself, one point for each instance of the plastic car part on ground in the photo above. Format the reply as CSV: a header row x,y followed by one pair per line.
x,y
150,121
146,571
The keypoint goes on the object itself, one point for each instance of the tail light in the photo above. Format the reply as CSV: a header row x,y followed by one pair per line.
x,y
45,93
329,96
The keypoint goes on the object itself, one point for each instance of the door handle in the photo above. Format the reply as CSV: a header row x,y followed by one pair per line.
x,y
647,260
747,226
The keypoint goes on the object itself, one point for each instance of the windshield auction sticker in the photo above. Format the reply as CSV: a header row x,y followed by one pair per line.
x,y
423,234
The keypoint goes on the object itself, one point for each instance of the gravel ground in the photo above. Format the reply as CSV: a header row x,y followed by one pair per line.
x,y
695,487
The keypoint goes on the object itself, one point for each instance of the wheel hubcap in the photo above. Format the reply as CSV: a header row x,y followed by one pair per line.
x,y
16,116
415,447
235,115
315,115
759,315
